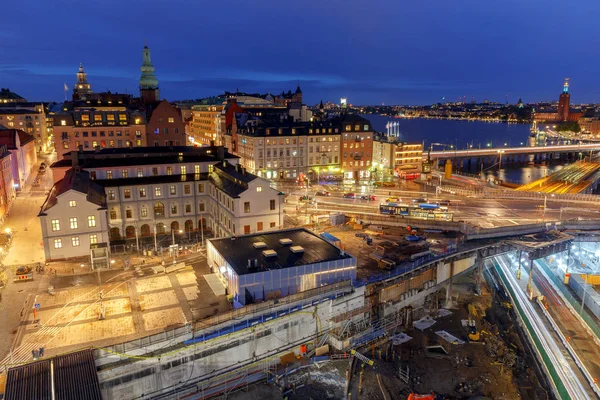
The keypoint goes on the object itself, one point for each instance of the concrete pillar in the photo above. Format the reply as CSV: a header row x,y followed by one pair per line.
x,y
449,287
478,273
530,281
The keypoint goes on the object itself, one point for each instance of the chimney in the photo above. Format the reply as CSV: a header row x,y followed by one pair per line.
x,y
75,159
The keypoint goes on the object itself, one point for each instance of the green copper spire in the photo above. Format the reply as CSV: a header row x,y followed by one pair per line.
x,y
148,79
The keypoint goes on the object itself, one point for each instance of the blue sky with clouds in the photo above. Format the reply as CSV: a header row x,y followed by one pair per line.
x,y
373,51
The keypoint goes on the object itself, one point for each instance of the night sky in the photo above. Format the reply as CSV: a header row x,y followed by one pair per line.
x,y
397,52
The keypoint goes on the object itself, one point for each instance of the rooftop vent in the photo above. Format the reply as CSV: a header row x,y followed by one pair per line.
x,y
259,245
285,241
269,253
297,249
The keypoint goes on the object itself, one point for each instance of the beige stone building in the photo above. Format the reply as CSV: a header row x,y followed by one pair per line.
x,y
206,124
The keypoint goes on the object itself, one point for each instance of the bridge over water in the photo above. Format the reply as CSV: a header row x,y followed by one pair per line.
x,y
584,148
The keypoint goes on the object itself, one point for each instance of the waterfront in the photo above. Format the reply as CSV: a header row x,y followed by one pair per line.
x,y
463,134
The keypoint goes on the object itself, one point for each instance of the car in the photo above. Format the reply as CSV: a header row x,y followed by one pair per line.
x,y
443,203
349,196
393,200
322,193
367,197
420,200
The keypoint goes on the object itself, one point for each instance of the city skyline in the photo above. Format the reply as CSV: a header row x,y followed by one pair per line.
x,y
381,52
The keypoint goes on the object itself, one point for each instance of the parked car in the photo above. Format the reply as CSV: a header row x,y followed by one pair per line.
x,y
349,196
322,193
367,197
420,200
393,200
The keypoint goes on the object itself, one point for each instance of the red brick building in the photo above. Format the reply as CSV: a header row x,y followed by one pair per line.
x,y
356,147
165,125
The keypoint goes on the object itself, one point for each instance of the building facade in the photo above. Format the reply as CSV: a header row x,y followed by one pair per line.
x,y
31,118
205,126
384,153
357,147
73,217
7,187
165,125
6,96
97,127
153,194
408,158
21,146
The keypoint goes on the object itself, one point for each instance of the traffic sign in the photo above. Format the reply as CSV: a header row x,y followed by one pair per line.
x,y
37,306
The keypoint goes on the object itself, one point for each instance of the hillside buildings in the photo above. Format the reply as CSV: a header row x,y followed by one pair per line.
x,y
150,195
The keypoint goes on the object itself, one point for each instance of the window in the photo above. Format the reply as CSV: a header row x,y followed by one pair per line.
x,y
140,172
159,209
55,225
187,189
113,214
75,241
259,226
127,193
91,221
272,204
201,188
142,192
173,208
73,222
247,207
169,170
108,173
188,208
72,203
125,172
259,188
171,119
272,225
166,130
157,192
58,243
144,212
172,190
183,170
196,169
201,206
93,239
128,213
111,194
155,171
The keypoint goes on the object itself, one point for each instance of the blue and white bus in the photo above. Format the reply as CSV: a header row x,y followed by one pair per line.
x,y
420,211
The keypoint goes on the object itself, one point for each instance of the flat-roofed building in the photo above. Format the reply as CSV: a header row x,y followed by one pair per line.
x,y
275,264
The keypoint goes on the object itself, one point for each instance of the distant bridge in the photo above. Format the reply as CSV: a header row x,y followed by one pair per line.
x,y
584,148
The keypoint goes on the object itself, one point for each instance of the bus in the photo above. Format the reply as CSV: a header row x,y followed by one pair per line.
x,y
429,212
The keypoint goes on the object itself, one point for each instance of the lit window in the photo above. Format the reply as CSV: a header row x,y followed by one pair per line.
x,y
144,212
125,172
247,207
55,225
171,119
196,169
183,170
58,243
174,209
75,241
111,194
169,170
93,239
113,214
259,188
127,193
157,191
72,203
73,222
108,173
140,172
91,221
63,122
142,192
172,190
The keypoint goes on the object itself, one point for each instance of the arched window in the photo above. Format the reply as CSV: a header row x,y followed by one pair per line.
x,y
159,209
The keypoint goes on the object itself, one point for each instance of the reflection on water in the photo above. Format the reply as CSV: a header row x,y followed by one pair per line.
x,y
522,174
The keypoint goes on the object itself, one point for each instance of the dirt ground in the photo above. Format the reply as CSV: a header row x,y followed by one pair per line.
x,y
473,370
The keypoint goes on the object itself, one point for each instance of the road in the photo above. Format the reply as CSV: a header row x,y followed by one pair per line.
x,y
570,382
483,212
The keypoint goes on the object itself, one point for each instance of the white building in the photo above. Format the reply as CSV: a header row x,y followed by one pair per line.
x,y
73,217
157,193
276,264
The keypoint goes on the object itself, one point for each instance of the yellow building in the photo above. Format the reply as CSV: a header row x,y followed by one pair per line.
x,y
408,158
205,125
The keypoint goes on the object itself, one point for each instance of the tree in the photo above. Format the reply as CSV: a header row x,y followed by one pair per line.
x,y
569,126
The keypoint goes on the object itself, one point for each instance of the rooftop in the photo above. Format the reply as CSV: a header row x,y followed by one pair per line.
x,y
9,138
237,251
148,180
79,181
74,377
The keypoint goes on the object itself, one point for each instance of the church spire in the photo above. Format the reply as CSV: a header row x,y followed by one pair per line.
x,y
82,88
566,86
148,82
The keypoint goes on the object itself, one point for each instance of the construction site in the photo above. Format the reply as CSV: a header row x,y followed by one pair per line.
x,y
473,349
